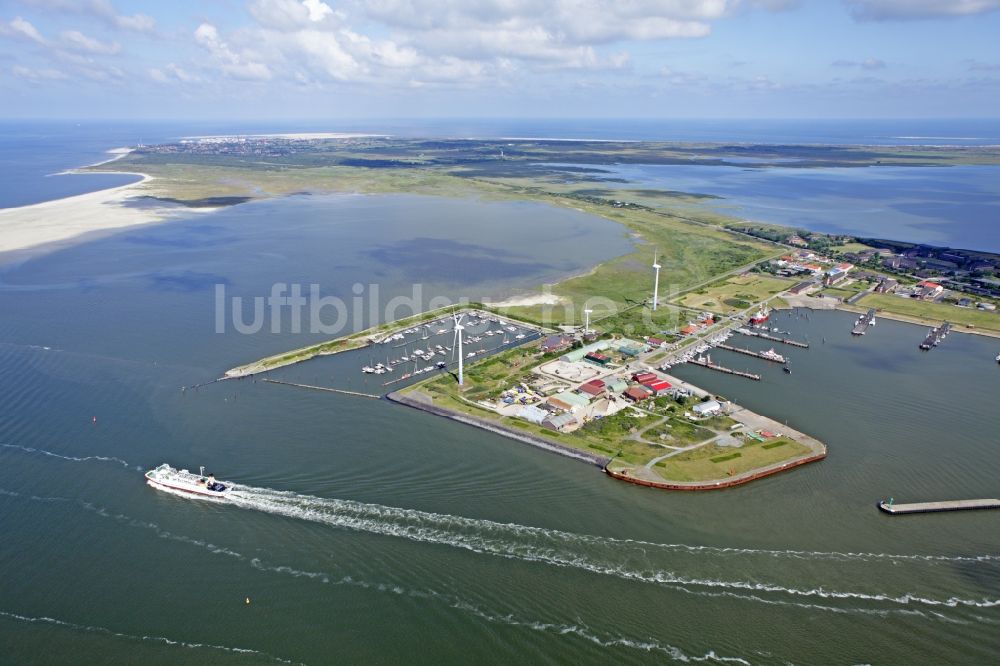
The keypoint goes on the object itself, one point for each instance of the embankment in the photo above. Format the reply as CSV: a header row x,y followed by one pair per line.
x,y
527,438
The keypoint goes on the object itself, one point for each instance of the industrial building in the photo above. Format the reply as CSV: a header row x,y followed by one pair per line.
x,y
569,402
707,408
578,354
636,394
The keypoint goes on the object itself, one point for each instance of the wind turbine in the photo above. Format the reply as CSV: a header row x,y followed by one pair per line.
x,y
656,282
456,346
586,327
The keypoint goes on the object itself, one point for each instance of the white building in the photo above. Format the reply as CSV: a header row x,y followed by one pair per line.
x,y
707,408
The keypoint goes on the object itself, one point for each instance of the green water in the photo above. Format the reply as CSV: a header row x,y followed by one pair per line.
x,y
367,531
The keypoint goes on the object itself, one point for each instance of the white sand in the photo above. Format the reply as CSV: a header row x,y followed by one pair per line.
x,y
526,301
65,219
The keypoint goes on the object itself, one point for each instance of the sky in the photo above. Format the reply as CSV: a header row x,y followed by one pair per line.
x,y
258,59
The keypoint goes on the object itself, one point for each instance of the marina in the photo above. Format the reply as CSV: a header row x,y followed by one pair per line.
x,y
706,362
764,335
890,507
935,336
769,355
435,345
864,322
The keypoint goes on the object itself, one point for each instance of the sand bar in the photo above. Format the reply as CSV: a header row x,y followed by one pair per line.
x,y
65,219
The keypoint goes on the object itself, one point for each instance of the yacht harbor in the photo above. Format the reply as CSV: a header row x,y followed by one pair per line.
x,y
434,345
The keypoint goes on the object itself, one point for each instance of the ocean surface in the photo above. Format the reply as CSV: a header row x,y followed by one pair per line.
x,y
367,531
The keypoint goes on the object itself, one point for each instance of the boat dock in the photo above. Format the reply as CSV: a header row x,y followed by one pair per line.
x,y
729,371
767,356
891,507
935,336
863,322
749,332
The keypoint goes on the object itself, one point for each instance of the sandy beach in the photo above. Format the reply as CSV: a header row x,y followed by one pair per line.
x,y
527,301
49,222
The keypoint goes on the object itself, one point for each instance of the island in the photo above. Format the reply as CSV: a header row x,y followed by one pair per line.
x,y
583,368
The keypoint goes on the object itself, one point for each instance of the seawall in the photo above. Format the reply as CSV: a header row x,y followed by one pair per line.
x,y
483,424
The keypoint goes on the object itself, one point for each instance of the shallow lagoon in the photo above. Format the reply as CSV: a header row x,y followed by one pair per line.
x,y
956,206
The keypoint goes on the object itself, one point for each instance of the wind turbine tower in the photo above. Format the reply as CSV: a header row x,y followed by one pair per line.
x,y
586,327
456,345
656,282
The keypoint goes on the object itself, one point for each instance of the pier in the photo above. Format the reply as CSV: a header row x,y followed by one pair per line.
x,y
728,371
749,332
773,357
864,322
891,507
935,336
357,394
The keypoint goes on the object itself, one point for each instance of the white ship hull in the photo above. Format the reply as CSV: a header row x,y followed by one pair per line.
x,y
185,483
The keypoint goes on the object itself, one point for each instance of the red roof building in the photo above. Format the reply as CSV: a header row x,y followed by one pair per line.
x,y
643,377
597,357
690,329
659,386
636,394
594,387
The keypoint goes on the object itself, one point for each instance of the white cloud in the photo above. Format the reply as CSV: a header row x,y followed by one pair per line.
x,y
22,29
317,10
980,66
555,24
236,64
37,74
172,73
867,63
887,10
78,41
291,15
102,10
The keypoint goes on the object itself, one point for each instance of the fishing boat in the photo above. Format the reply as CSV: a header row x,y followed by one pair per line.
x,y
201,485
772,355
762,315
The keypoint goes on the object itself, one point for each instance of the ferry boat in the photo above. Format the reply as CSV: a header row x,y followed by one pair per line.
x,y
201,485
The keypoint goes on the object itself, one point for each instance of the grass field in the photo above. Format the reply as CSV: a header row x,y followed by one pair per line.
x,y
698,465
678,432
496,373
933,312
737,293
842,294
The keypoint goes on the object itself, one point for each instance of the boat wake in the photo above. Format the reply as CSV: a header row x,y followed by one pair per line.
x,y
163,640
577,629
43,452
629,560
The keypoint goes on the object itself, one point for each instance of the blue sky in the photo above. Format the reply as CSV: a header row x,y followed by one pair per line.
x,y
561,58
